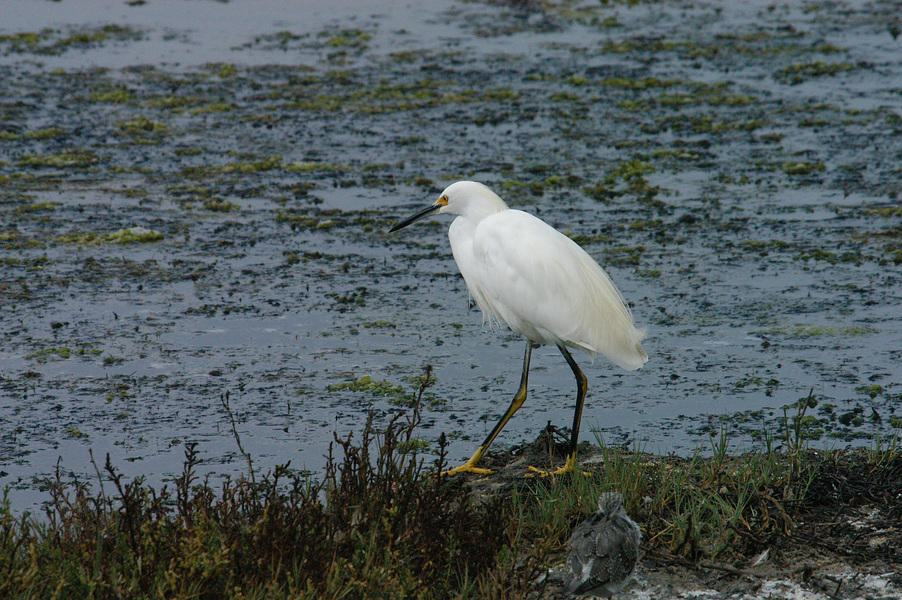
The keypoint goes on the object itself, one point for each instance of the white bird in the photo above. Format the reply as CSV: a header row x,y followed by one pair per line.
x,y
603,550
522,271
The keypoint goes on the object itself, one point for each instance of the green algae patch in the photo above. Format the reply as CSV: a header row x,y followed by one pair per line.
x,y
368,384
27,41
134,235
394,394
629,171
174,103
75,434
65,159
307,167
801,330
639,84
213,107
342,44
281,40
130,235
627,178
303,221
45,134
48,354
141,125
643,225
696,94
98,36
36,207
799,73
801,167
117,96
886,212
53,43
223,71
676,153
624,256
254,166
219,205
340,91
764,247
849,257
347,38
242,167
56,353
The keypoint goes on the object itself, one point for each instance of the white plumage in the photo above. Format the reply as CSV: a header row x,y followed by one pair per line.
x,y
523,272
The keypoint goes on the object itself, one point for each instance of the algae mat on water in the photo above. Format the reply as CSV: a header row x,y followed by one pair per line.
x,y
187,212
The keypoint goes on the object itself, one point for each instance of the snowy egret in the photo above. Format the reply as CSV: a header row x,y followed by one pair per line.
x,y
522,271
603,550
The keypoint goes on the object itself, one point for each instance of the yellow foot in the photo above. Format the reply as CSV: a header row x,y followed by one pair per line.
x,y
536,472
467,468
569,467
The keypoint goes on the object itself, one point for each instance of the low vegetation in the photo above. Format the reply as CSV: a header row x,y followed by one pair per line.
x,y
382,522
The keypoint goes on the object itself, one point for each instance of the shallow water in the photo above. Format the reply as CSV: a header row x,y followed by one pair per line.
x,y
735,170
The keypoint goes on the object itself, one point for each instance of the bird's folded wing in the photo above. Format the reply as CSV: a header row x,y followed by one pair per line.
x,y
549,289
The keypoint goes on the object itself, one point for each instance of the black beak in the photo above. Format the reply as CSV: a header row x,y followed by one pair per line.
x,y
426,212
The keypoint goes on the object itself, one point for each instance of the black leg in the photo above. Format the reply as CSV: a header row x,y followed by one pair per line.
x,y
582,386
516,403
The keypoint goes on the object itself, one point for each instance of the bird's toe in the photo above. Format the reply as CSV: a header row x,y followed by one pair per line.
x,y
468,468
564,470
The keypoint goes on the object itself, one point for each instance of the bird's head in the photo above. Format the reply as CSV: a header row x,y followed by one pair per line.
x,y
467,198
610,503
